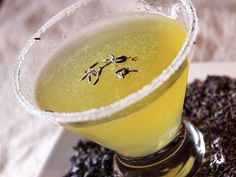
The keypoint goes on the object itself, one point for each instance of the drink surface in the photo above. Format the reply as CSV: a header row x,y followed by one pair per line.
x,y
150,43
153,40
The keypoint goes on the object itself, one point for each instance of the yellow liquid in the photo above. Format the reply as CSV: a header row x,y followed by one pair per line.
x,y
155,41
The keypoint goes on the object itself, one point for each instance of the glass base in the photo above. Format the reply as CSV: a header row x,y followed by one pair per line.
x,y
181,157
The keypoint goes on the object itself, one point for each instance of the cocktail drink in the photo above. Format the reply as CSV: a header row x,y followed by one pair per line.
x,y
116,73
65,90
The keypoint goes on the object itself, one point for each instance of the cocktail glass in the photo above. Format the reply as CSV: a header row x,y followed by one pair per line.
x,y
145,129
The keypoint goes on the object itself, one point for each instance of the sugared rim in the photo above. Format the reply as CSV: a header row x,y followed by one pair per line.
x,y
98,114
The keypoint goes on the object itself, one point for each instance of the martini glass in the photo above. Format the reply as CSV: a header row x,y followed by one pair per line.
x,y
168,145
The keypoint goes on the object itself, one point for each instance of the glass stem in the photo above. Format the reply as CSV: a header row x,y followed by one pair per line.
x,y
181,157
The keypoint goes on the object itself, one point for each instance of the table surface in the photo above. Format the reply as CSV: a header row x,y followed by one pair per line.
x,y
24,140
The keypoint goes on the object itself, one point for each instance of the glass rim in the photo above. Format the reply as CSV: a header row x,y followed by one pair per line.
x,y
101,113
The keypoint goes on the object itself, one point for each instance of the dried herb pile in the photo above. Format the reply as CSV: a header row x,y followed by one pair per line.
x,y
90,160
210,105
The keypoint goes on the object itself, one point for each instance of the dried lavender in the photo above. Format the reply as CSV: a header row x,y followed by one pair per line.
x,y
90,160
37,38
120,73
93,65
48,110
210,105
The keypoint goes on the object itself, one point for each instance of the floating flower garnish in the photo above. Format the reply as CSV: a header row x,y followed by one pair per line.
x,y
120,73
